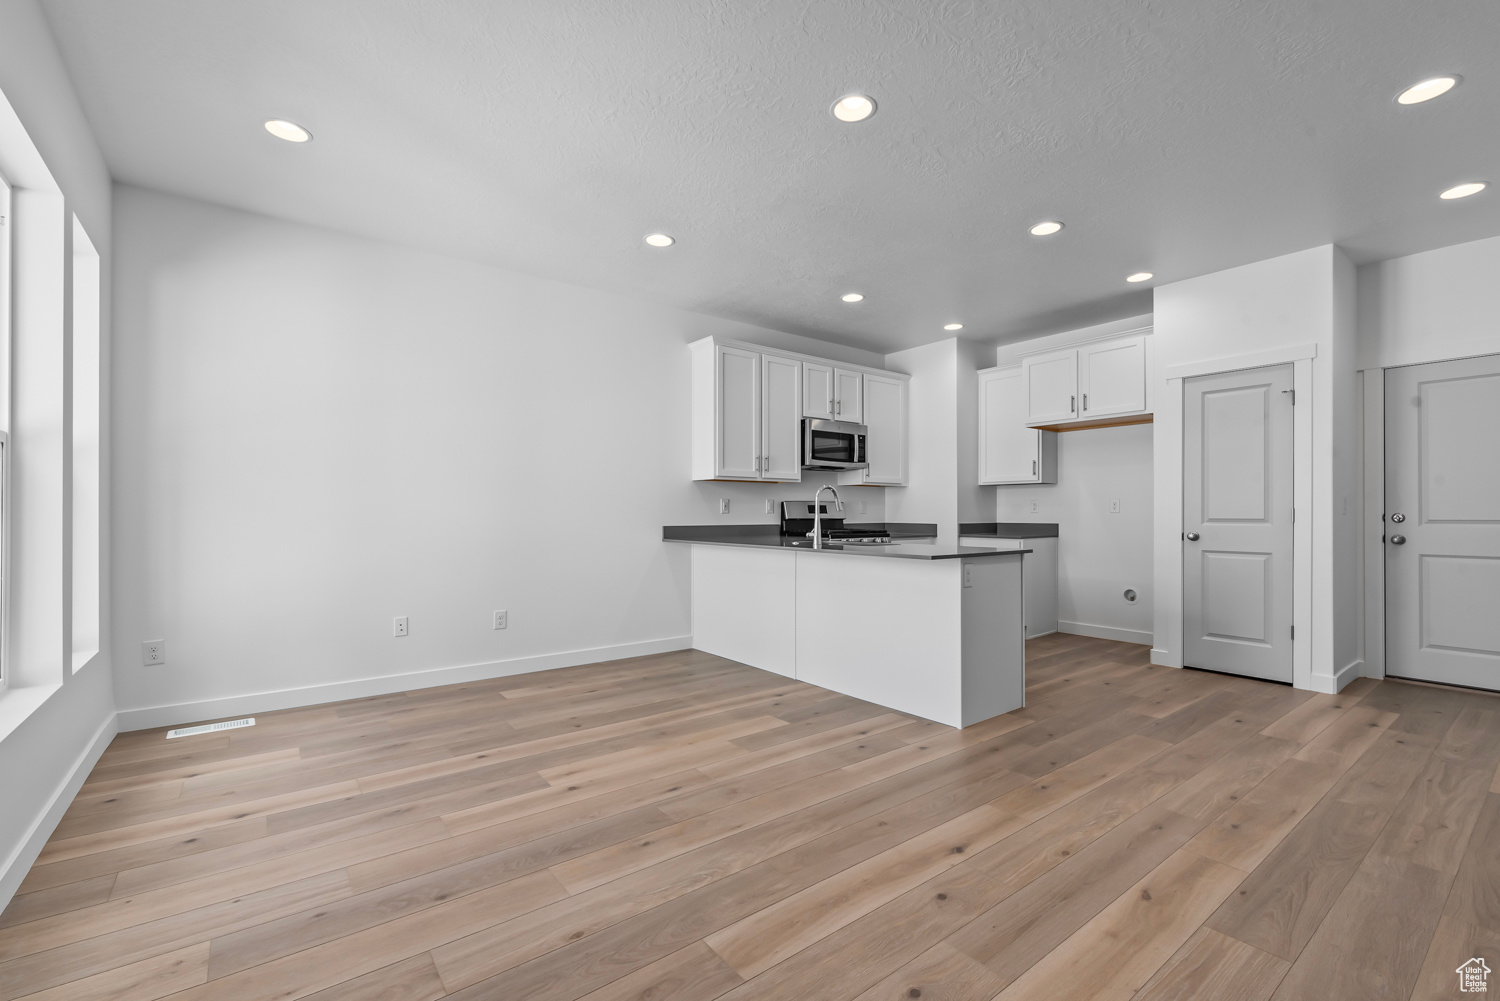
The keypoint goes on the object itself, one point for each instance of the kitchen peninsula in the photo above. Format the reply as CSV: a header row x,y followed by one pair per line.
x,y
934,631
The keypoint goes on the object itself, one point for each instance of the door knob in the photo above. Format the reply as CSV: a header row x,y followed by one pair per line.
x,y
1398,540
1193,536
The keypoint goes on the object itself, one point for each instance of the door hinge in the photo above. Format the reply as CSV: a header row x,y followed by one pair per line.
x,y
1292,393
1294,515
1293,633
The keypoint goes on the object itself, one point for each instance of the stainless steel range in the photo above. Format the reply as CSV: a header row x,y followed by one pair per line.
x,y
797,521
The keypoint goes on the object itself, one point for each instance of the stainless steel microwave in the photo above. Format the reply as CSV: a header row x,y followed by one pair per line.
x,y
833,444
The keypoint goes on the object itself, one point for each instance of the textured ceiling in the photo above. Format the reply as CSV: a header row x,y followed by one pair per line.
x,y
547,136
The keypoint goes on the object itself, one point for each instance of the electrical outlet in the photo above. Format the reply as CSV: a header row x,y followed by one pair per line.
x,y
399,626
1114,505
968,575
501,618
863,507
770,506
1034,507
154,652
723,505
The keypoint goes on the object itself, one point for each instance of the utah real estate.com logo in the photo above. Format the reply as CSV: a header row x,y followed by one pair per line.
x,y
1473,976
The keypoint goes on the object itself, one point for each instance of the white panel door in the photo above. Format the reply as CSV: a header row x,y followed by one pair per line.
x,y
885,416
739,422
817,391
1051,386
1009,451
781,418
847,396
1442,522
1237,521
1112,377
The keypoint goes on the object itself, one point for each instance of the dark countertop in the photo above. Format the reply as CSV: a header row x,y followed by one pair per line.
x,y
1008,530
770,537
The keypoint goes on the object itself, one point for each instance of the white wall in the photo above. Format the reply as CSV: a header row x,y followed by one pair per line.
x,y
1432,306
931,493
1251,316
53,722
1099,554
318,432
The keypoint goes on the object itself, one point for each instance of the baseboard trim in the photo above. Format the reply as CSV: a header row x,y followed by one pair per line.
x,y
149,717
1106,632
19,864
1332,684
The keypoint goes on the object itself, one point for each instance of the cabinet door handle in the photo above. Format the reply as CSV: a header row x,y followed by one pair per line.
x,y
1072,404
1085,401
1033,467
838,408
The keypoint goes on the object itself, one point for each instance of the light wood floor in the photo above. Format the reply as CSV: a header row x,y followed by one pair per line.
x,y
682,827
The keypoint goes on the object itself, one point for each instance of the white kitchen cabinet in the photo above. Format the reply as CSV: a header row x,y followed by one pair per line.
x,y
747,414
749,403
1096,381
781,421
738,414
1038,579
1112,378
848,395
1009,451
817,391
1051,382
885,415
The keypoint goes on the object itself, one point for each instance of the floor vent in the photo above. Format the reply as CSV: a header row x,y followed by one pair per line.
x,y
188,731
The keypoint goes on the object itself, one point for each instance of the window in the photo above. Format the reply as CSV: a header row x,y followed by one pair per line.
x,y
86,433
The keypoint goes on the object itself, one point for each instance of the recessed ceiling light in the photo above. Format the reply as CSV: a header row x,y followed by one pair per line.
x,y
953,326
1046,228
852,297
1427,90
1464,190
854,108
1140,276
659,240
290,131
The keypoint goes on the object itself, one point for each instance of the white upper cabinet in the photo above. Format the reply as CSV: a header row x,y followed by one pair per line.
x,y
1112,378
747,414
749,404
737,373
817,391
848,395
1009,451
1096,381
1051,383
885,414
781,418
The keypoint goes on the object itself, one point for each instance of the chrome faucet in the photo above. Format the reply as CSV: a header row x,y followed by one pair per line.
x,y
838,505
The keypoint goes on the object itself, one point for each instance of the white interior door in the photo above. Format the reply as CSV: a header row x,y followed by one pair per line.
x,y
1237,522
1442,522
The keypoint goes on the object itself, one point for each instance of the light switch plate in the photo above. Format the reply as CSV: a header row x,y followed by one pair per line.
x,y
723,505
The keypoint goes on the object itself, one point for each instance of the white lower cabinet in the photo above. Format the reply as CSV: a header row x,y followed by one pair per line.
x,y
1009,451
1038,580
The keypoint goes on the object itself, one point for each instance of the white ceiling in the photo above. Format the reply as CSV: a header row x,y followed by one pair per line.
x,y
548,136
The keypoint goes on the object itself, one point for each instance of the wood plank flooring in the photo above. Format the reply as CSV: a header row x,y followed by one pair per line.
x,y
683,828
